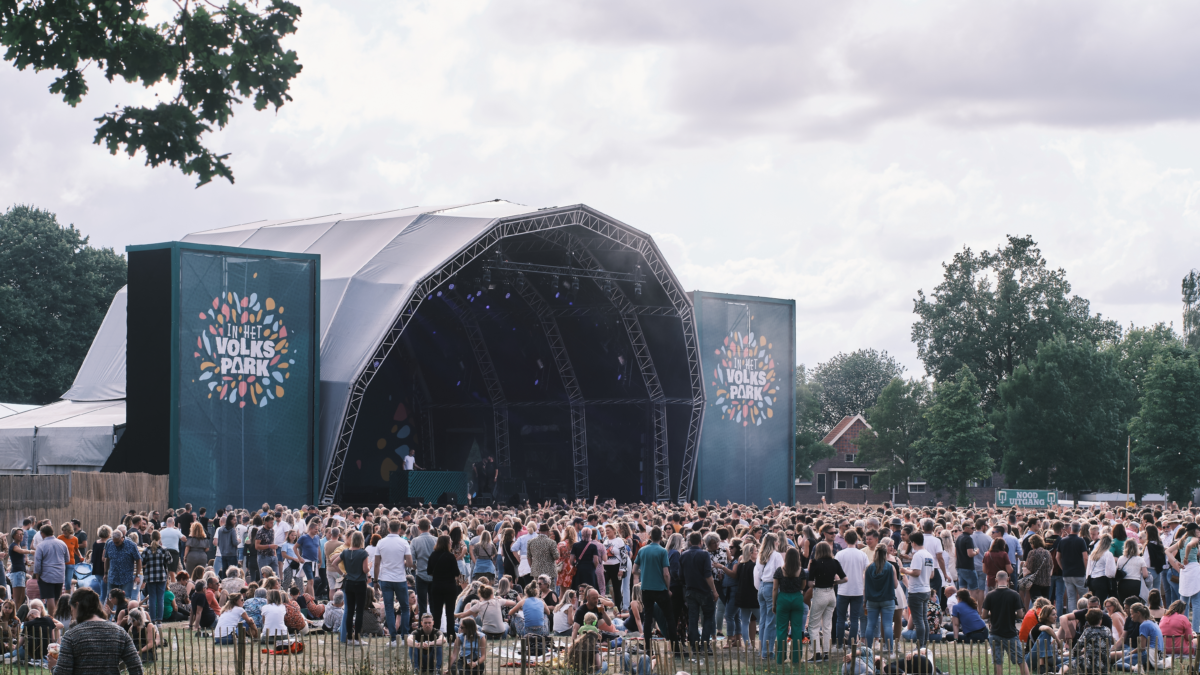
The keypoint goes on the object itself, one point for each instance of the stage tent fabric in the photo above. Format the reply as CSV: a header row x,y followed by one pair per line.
x,y
7,409
61,437
371,264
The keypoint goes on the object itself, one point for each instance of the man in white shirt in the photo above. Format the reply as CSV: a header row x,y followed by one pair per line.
x,y
170,537
850,596
934,546
920,569
410,462
393,557
281,530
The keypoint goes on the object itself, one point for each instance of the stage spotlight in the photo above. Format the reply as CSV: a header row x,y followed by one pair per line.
x,y
520,281
487,276
608,286
554,285
479,287
637,281
573,289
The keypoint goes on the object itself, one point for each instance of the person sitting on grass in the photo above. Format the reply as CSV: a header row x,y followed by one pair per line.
x,y
332,621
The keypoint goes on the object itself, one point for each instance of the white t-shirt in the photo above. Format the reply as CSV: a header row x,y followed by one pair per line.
x,y
410,462
767,572
923,561
611,545
934,546
241,535
854,564
170,538
281,530
391,551
273,619
228,622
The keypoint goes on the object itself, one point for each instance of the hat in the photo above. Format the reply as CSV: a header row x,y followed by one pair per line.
x,y
897,522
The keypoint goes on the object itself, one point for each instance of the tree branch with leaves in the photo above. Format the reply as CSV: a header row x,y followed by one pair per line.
x,y
217,55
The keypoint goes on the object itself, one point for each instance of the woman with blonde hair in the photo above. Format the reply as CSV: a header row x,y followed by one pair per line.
x,y
769,560
1102,569
144,634
195,552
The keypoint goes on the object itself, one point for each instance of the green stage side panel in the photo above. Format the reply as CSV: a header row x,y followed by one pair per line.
x,y
243,374
748,351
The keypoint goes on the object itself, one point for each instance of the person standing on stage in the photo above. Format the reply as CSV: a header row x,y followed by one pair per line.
x,y
410,462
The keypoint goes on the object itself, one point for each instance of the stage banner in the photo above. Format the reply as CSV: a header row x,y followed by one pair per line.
x,y
747,449
1026,498
245,376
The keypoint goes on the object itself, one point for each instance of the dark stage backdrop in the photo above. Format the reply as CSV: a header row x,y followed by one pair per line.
x,y
747,349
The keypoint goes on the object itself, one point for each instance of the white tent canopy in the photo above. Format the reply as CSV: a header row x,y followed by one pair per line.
x,y
61,437
102,375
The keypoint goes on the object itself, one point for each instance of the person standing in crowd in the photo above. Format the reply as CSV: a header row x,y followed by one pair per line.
x,y
156,563
308,548
393,558
265,546
16,556
68,537
195,552
95,646
701,594
50,560
850,595
443,585
921,570
653,572
1071,552
879,593
788,606
1002,607
227,544
356,562
171,538
422,547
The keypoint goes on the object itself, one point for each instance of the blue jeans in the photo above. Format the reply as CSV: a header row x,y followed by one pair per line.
x,y
269,561
1193,604
880,613
392,589
1075,588
155,595
1169,589
916,606
745,614
766,619
423,595
127,588
848,606
1058,593
732,617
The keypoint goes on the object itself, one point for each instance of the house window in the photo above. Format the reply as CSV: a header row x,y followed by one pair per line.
x,y
849,456
821,483
916,487
841,485
985,483
861,481
804,481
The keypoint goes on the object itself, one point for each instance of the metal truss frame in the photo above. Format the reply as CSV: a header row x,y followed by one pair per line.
x,y
621,237
483,358
566,372
641,351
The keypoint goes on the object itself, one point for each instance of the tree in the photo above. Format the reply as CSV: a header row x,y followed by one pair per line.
x,y
54,292
955,450
1166,431
850,383
898,420
991,311
1191,309
1062,419
1135,353
217,55
809,448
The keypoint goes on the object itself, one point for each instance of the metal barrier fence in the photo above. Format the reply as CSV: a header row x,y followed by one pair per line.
x,y
183,652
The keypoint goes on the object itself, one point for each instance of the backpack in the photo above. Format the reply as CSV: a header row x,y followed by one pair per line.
x,y
536,645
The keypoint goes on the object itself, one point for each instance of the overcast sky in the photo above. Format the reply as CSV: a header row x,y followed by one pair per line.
x,y
835,153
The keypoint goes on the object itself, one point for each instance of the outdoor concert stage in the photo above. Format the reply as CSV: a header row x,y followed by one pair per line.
x,y
557,341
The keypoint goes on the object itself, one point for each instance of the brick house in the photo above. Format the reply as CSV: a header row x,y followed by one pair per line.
x,y
841,478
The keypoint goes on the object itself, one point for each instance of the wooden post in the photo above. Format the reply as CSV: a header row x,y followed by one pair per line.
x,y
239,663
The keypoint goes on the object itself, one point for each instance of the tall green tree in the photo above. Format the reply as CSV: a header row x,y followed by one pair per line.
x,y
1166,431
216,53
991,310
1135,352
809,448
1068,402
54,292
954,452
850,383
898,420
1191,309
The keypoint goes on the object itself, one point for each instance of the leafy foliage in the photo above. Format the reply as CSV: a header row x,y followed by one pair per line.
x,y
809,448
955,450
850,383
54,292
898,419
1191,309
217,55
992,310
1062,418
1166,432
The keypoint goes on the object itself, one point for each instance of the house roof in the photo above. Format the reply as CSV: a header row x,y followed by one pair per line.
x,y
836,432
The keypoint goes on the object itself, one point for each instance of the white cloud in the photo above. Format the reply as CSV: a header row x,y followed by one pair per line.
x,y
835,153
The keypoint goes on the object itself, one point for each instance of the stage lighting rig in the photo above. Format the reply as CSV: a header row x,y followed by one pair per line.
x,y
520,281
638,277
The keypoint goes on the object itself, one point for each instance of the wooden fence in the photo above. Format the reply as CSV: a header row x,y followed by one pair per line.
x,y
94,499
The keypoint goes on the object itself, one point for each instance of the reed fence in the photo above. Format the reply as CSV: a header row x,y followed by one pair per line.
x,y
94,499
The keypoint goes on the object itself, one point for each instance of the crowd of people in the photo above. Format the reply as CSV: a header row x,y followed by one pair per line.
x,y
1052,590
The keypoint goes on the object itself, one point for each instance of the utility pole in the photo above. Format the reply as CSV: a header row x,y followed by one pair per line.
x,y
1128,454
